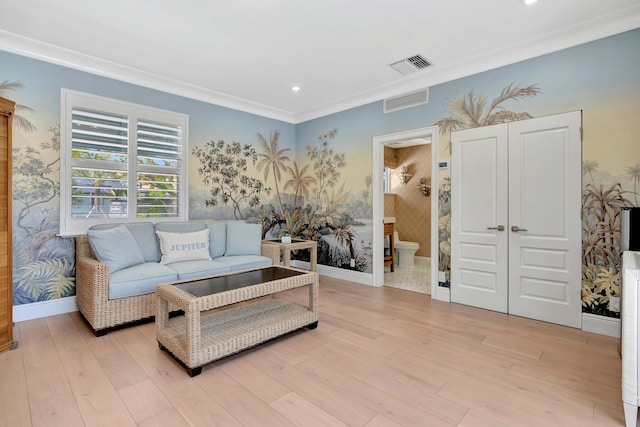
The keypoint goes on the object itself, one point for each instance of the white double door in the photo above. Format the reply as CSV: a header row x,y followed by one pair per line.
x,y
515,218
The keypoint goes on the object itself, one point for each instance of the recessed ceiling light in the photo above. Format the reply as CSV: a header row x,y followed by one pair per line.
x,y
528,2
295,88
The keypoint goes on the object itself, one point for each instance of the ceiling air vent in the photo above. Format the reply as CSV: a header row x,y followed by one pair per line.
x,y
406,101
410,65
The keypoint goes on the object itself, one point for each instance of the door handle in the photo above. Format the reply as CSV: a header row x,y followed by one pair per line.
x,y
499,228
515,229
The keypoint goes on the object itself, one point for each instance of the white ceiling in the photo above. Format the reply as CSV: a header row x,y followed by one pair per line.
x,y
247,54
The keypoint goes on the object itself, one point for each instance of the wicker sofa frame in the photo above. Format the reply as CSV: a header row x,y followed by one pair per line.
x,y
92,292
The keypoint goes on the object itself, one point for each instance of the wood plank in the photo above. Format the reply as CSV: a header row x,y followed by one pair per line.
x,y
45,374
243,405
341,405
380,357
97,400
194,404
60,410
144,400
168,418
14,397
301,412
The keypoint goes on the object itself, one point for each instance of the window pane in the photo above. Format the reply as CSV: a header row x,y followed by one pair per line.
x,y
159,144
157,195
101,136
98,193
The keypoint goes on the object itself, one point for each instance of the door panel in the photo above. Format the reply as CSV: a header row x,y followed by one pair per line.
x,y
479,201
545,162
525,176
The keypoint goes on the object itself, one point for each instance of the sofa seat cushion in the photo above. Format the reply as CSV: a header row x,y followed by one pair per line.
x,y
139,280
244,262
198,268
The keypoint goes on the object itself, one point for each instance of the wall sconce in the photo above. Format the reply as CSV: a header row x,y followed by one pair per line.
x,y
404,175
424,187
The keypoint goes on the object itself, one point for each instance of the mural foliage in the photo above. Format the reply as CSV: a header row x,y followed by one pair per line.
x,y
601,203
317,207
43,264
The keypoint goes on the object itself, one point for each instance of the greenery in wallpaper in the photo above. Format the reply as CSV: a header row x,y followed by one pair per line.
x,y
601,204
223,168
327,216
466,112
472,111
43,264
601,221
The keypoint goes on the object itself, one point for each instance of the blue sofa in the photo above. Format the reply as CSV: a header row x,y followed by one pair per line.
x,y
118,266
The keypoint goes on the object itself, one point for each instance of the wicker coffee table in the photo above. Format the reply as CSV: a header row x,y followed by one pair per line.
x,y
198,338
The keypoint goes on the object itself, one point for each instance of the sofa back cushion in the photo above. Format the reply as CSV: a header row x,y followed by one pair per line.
x,y
115,247
243,239
217,238
186,246
144,235
180,227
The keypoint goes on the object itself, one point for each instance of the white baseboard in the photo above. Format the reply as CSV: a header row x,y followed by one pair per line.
x,y
422,260
338,273
40,309
602,325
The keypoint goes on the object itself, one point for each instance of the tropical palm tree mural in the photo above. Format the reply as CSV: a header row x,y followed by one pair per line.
x,y
272,159
43,263
300,181
368,180
466,112
224,168
634,173
20,122
472,111
326,164
589,167
330,221
601,208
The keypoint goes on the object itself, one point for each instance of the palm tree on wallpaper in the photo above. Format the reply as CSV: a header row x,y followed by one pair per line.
x,y
326,164
634,173
589,167
472,111
368,180
299,182
20,122
272,159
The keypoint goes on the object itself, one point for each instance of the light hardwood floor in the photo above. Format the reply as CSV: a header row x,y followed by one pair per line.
x,y
379,357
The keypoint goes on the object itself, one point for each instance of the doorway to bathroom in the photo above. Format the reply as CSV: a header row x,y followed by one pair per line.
x,y
406,161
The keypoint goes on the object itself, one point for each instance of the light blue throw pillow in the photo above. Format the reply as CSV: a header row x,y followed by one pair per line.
x,y
243,239
115,247
217,238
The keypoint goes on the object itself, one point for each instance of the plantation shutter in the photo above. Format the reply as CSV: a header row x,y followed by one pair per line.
x,y
159,168
120,162
100,155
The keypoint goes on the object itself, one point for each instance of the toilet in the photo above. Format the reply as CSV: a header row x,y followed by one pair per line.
x,y
405,251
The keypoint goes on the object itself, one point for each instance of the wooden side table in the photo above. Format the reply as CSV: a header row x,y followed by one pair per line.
x,y
295,244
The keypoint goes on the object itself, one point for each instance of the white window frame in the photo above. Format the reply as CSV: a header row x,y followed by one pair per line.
x,y
69,99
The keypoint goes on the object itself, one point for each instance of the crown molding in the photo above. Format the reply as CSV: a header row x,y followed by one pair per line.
x,y
605,26
34,49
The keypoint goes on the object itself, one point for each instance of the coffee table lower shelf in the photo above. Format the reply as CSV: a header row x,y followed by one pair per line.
x,y
225,332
